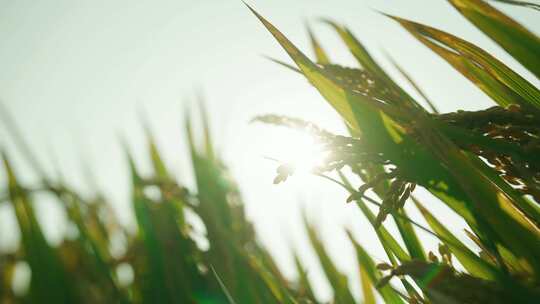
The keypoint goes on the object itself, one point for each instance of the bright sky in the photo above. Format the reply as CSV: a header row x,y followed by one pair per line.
x,y
78,74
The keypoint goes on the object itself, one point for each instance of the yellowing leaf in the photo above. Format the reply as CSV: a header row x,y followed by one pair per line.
x,y
491,75
519,42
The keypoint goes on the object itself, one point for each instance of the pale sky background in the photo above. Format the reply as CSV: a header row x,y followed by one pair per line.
x,y
77,75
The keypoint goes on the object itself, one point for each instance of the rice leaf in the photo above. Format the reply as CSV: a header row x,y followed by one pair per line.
x,y
366,263
530,5
327,87
491,75
495,219
44,262
155,284
367,287
320,54
416,87
390,244
159,166
410,238
94,245
284,64
474,264
208,146
337,280
229,232
519,42
365,59
305,286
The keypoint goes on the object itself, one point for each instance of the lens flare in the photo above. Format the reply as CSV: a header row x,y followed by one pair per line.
x,y
300,150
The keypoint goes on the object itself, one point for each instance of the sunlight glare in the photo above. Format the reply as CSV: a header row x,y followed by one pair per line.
x,y
300,150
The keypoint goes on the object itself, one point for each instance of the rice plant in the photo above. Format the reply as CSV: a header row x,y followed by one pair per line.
x,y
484,165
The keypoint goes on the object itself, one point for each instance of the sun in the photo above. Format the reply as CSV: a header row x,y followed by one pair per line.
x,y
300,150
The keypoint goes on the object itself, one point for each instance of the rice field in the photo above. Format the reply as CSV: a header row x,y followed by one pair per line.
x,y
483,165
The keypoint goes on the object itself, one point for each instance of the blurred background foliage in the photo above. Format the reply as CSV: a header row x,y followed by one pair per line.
x,y
195,245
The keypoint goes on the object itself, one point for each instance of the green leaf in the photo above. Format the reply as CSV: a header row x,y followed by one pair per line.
x,y
94,249
384,236
367,287
530,5
329,89
320,54
410,238
155,286
529,212
49,281
337,280
208,146
305,286
357,49
228,231
519,42
365,59
366,263
415,86
491,75
284,64
167,275
447,164
389,243
473,263
274,284
491,207
157,161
